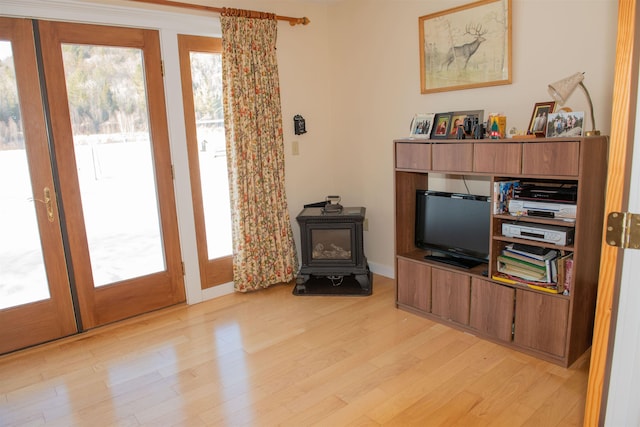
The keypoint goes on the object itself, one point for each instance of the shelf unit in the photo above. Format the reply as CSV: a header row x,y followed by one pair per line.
x,y
554,327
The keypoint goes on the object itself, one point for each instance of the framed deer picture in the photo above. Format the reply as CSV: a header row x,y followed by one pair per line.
x,y
466,47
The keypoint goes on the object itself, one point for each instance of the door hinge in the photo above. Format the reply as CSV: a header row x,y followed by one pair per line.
x,y
173,173
623,230
184,273
162,67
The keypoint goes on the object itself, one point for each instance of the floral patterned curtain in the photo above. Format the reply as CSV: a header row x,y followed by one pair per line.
x,y
264,251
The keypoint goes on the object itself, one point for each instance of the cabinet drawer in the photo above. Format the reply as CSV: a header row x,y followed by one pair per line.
x,y
413,156
541,322
456,157
551,158
414,284
450,295
492,309
497,158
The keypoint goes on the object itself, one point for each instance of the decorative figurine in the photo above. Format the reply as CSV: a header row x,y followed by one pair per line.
x,y
478,131
495,130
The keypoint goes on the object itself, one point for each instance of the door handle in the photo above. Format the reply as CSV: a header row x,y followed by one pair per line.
x,y
48,203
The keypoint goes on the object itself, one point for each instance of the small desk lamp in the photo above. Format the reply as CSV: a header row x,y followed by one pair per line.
x,y
561,90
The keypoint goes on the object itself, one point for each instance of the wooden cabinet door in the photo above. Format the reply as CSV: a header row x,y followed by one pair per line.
x,y
455,157
541,322
497,158
413,156
551,158
450,295
491,311
414,284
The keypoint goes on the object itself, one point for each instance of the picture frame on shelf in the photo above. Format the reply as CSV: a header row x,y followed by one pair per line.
x,y
457,120
466,119
565,124
539,118
441,126
421,126
465,47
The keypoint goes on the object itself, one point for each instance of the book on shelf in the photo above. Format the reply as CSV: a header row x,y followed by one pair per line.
x,y
535,252
524,258
552,270
522,264
516,263
515,280
503,191
565,272
523,272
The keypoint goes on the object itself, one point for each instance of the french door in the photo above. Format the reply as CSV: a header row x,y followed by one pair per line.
x,y
201,76
99,172
35,296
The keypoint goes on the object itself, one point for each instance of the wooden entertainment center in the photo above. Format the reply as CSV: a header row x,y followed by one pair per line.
x,y
554,327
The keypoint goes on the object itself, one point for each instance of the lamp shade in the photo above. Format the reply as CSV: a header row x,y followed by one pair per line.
x,y
562,89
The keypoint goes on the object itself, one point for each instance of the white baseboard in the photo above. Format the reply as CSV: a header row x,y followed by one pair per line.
x,y
217,291
382,270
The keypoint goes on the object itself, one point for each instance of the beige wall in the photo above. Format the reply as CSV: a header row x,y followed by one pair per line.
x,y
366,56
353,73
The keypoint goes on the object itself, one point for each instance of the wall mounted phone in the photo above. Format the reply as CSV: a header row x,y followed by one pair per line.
x,y
299,125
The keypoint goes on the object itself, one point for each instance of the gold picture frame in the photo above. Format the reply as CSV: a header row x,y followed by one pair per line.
x,y
539,117
451,39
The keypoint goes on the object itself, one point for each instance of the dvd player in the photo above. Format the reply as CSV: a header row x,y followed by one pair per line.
x,y
555,234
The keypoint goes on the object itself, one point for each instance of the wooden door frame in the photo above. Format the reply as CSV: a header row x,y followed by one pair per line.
x,y
625,93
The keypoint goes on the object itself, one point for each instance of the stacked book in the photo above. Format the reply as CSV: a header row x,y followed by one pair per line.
x,y
536,267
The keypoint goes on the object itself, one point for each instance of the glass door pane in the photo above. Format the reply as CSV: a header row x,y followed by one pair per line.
x,y
114,159
201,75
206,73
23,278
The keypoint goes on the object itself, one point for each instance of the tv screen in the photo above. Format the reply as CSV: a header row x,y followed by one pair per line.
x,y
455,227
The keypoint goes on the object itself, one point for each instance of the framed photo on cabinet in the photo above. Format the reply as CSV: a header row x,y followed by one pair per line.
x,y
441,126
539,117
421,126
466,119
565,123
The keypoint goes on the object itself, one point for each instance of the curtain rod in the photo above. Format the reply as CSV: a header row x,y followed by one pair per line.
x,y
292,21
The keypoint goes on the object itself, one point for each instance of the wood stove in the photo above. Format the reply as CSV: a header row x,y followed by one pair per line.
x,y
332,246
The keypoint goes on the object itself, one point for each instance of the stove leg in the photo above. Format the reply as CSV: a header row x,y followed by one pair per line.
x,y
300,283
364,280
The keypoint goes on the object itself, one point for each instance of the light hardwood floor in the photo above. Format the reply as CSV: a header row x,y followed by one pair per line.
x,y
270,358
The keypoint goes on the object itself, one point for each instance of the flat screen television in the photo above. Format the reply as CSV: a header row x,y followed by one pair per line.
x,y
454,227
